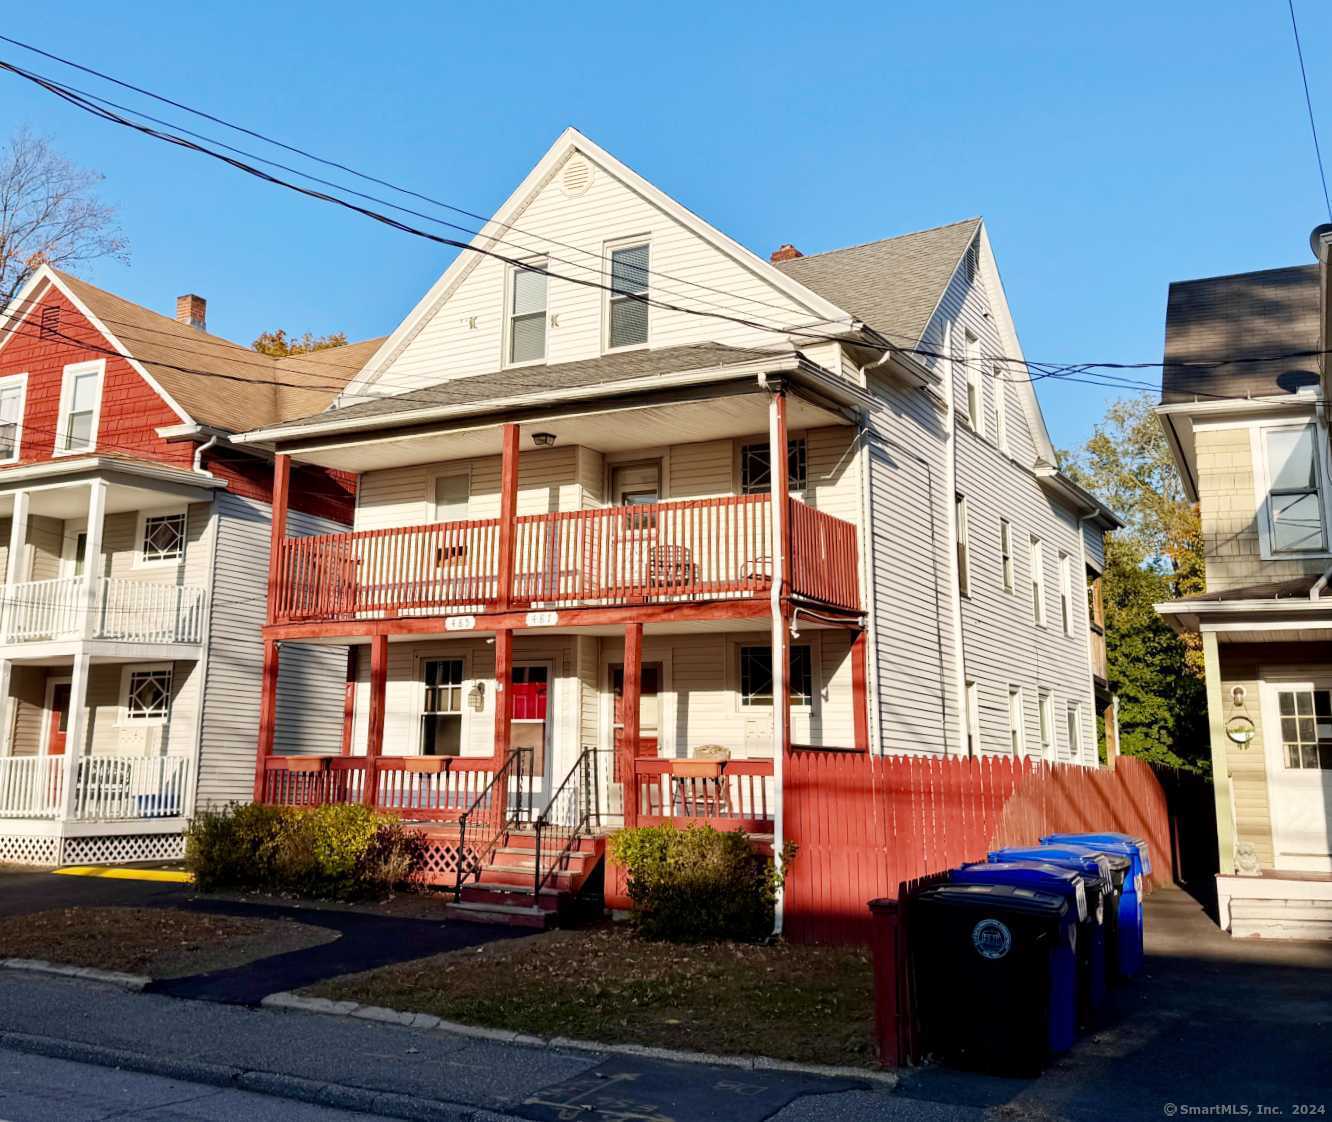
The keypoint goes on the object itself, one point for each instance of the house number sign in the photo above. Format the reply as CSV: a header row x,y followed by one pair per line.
x,y
460,623
542,619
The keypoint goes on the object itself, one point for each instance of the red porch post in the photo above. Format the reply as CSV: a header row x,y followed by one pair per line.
x,y
503,694
267,715
374,745
349,700
278,532
630,707
508,512
859,692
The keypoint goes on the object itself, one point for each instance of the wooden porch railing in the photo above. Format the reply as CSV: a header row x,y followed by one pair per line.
x,y
727,794
661,552
435,788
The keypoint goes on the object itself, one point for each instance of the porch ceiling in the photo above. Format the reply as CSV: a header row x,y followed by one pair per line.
x,y
70,500
622,428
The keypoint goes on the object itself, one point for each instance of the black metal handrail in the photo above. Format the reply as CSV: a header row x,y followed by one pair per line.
x,y
567,818
490,810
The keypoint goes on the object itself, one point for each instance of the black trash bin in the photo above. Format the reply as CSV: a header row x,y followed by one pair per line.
x,y
988,966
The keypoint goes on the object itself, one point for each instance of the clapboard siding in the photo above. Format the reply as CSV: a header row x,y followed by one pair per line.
x,y
310,682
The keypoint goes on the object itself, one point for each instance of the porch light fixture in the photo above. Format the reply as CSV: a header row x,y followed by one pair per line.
x,y
543,439
476,697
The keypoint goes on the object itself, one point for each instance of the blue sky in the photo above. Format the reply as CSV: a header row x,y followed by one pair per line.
x,y
1111,148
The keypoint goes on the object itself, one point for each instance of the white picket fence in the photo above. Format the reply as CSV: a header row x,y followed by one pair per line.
x,y
110,788
129,610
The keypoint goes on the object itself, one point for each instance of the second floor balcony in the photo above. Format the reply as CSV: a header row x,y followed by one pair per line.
x,y
133,611
659,553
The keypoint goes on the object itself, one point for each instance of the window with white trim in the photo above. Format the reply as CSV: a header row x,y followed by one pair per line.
x,y
1001,408
1046,712
527,313
1066,593
1037,582
1016,734
1006,553
756,466
962,530
756,685
627,307
163,538
1306,728
148,694
442,712
973,719
1075,730
12,393
1294,501
975,392
80,400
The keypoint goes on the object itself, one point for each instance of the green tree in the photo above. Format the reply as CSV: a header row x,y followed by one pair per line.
x,y
1157,556
276,344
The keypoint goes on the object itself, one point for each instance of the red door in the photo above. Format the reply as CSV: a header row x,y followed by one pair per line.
x,y
59,719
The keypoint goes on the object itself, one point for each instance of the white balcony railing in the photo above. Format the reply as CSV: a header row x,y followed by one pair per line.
x,y
109,788
130,610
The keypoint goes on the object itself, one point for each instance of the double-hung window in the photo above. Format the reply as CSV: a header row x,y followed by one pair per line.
x,y
975,392
1001,408
1294,505
1037,582
973,719
756,466
1066,593
627,304
12,391
1006,553
527,313
962,530
80,401
1016,735
1046,712
442,713
1074,731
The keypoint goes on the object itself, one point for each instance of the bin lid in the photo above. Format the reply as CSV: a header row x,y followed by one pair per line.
x,y
997,897
1029,874
1093,866
1126,844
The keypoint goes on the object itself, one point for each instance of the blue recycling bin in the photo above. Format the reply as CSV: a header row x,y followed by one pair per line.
x,y
1050,880
1095,944
1131,913
984,967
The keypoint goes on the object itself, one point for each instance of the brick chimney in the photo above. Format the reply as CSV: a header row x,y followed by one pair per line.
x,y
785,252
190,310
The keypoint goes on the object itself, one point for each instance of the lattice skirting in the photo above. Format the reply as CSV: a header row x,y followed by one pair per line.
x,y
19,849
114,848
441,860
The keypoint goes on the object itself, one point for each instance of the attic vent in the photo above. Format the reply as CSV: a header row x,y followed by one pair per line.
x,y
970,262
50,324
577,177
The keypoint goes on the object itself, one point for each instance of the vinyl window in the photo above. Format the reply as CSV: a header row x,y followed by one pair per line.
x,y
163,539
975,391
963,545
756,466
1016,734
973,718
1006,553
627,304
527,313
13,390
442,713
148,694
1306,728
1074,730
1294,504
1037,582
756,685
1046,713
1001,408
80,401
1066,593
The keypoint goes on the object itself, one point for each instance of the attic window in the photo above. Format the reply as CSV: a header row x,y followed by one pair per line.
x,y
50,322
628,297
527,313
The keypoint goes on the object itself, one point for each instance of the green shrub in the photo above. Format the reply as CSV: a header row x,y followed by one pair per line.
x,y
342,852
699,883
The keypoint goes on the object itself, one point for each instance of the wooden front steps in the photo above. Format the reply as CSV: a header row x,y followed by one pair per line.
x,y
503,892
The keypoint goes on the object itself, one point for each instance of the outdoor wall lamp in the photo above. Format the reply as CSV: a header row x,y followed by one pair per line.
x,y
476,697
543,439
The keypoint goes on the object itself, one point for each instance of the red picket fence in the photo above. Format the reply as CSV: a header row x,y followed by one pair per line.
x,y
865,824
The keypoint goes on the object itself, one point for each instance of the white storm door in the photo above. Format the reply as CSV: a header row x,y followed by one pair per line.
x,y
1298,753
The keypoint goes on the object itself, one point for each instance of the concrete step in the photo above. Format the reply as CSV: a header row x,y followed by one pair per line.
x,y
518,858
522,875
510,915
548,900
526,839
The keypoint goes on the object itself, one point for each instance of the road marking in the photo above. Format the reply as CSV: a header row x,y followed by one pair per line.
x,y
111,873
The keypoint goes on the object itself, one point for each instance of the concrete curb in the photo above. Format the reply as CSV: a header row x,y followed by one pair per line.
x,y
366,1100
430,1023
89,973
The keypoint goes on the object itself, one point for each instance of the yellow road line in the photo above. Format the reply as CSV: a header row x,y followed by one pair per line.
x,y
111,873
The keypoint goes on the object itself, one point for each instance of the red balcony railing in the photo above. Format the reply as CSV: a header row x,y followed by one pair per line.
x,y
661,552
729,794
424,788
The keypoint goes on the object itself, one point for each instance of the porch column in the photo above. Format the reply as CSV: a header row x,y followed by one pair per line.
x,y
859,693
92,561
349,700
7,730
503,694
631,718
18,538
374,744
76,730
508,512
268,688
781,659
1221,784
278,529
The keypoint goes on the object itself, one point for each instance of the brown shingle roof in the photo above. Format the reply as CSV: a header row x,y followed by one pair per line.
x,y
893,285
217,382
1213,322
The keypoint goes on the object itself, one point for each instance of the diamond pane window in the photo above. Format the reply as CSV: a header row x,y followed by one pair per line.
x,y
756,467
756,675
149,695
628,300
164,537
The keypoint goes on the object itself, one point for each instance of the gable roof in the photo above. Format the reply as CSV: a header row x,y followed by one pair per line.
x,y
895,284
1245,316
212,380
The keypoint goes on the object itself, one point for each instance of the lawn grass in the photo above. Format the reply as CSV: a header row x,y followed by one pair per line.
x,y
158,942
810,1004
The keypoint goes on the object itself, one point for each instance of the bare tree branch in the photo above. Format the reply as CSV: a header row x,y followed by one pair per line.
x,y
49,213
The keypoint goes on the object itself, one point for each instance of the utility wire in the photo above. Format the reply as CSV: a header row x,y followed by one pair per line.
x,y
1308,102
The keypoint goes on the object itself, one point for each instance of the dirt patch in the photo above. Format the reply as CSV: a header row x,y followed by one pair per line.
x,y
159,942
811,1004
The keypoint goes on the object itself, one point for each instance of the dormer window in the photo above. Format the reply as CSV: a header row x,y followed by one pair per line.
x,y
1294,504
527,313
627,308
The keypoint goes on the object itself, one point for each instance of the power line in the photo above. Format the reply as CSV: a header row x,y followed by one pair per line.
x,y
1308,102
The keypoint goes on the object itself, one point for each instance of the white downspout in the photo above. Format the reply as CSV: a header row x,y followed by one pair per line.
x,y
950,524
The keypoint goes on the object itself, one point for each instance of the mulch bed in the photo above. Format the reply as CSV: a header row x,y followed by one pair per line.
x,y
810,1004
158,942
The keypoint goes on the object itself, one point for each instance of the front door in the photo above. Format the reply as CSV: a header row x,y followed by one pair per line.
x,y
529,726
57,718
1298,716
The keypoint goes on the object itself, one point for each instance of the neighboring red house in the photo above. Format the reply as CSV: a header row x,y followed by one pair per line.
x,y
128,521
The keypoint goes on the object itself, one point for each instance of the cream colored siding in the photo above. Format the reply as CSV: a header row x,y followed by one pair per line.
x,y
45,540
27,686
703,470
